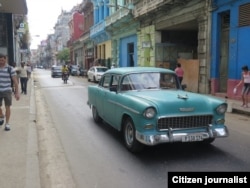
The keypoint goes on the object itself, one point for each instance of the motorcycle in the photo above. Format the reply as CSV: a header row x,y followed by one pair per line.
x,y
65,77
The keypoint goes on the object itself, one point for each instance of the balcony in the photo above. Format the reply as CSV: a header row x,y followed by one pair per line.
x,y
146,6
97,28
119,14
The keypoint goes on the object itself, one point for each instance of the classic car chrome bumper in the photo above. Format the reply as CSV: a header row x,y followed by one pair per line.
x,y
181,137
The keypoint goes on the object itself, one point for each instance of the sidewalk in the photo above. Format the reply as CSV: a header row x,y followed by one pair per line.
x,y
19,165
234,106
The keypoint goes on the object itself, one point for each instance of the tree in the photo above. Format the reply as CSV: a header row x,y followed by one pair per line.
x,y
64,55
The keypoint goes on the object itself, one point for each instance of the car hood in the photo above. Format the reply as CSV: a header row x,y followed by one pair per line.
x,y
176,101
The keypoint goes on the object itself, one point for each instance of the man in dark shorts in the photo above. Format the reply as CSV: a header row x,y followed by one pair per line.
x,y
6,90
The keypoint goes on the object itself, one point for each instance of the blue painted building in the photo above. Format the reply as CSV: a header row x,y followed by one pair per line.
x,y
114,33
230,44
99,35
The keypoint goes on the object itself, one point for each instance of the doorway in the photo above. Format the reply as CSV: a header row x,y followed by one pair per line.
x,y
131,55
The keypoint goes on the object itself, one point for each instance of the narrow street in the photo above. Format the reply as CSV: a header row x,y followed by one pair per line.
x,y
76,152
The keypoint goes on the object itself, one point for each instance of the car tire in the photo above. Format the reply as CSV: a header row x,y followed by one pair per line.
x,y
94,79
95,115
129,137
88,79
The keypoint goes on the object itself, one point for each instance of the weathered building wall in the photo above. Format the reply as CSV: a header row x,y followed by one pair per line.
x,y
146,45
187,17
192,16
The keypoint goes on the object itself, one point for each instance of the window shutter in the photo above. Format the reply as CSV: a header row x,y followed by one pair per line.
x,y
244,15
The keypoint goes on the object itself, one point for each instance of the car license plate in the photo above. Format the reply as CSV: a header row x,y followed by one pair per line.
x,y
192,138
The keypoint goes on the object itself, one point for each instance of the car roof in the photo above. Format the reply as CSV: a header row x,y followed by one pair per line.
x,y
56,66
126,70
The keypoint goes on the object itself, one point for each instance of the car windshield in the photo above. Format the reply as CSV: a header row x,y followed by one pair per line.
x,y
57,68
101,69
74,67
155,80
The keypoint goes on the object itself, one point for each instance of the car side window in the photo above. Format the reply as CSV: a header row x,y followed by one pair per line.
x,y
125,85
106,81
114,81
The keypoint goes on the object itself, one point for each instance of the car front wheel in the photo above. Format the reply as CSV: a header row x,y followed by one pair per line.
x,y
129,136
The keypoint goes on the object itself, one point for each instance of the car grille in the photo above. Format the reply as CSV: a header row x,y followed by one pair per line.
x,y
185,122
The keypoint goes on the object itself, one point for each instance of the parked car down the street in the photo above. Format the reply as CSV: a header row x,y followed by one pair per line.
x,y
149,107
94,73
74,70
56,71
39,66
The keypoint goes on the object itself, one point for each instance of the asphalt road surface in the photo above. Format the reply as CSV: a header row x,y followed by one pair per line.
x,y
75,152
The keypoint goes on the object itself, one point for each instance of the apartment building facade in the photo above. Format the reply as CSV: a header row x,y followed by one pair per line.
x,y
13,41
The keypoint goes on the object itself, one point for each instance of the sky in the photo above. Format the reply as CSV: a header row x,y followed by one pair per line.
x,y
42,17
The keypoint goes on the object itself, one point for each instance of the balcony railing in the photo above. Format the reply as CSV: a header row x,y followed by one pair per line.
x,y
97,28
122,12
147,5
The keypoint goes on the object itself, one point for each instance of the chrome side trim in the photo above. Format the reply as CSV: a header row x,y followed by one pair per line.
x,y
125,107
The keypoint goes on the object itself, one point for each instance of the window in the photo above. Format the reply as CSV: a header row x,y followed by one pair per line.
x,y
114,81
244,15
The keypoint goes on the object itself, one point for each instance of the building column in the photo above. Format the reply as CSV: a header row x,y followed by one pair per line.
x,y
203,53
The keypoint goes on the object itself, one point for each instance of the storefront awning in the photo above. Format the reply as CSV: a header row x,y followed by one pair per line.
x,y
13,6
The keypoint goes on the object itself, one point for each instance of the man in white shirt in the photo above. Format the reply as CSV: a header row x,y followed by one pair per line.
x,y
23,77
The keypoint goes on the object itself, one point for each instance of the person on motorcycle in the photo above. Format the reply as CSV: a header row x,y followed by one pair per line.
x,y
65,71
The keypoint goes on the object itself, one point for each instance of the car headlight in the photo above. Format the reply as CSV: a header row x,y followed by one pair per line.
x,y
149,113
221,109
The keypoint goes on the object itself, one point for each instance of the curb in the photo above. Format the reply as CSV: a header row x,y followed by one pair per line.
x,y
236,108
239,111
32,161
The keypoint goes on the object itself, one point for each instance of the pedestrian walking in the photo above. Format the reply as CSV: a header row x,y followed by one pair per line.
x,y
17,75
179,71
28,70
6,90
23,77
245,79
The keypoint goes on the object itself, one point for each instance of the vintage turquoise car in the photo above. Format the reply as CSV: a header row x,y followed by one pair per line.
x,y
149,106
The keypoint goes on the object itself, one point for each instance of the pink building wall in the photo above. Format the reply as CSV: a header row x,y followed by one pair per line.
x,y
230,87
78,25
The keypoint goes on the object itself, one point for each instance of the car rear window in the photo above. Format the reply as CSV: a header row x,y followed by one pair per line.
x,y
101,69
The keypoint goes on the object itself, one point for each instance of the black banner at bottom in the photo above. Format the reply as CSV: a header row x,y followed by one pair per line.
x,y
208,179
